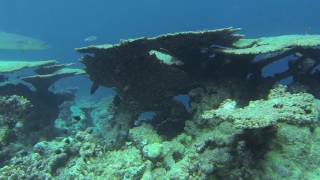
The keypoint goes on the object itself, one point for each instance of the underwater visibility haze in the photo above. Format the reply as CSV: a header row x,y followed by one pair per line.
x,y
164,90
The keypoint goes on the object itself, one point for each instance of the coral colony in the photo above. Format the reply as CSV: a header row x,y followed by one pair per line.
x,y
233,121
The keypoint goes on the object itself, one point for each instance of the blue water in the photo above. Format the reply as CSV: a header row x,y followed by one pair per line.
x,y
64,24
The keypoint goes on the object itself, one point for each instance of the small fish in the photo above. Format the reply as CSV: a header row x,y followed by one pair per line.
x,y
90,39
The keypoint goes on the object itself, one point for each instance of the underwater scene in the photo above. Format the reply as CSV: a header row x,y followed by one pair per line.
x,y
160,90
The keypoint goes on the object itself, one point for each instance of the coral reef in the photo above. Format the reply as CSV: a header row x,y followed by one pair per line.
x,y
213,148
234,123
138,65
46,103
209,71
14,118
47,157
169,65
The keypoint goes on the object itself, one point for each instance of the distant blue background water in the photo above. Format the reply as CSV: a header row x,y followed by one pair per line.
x,y
63,24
